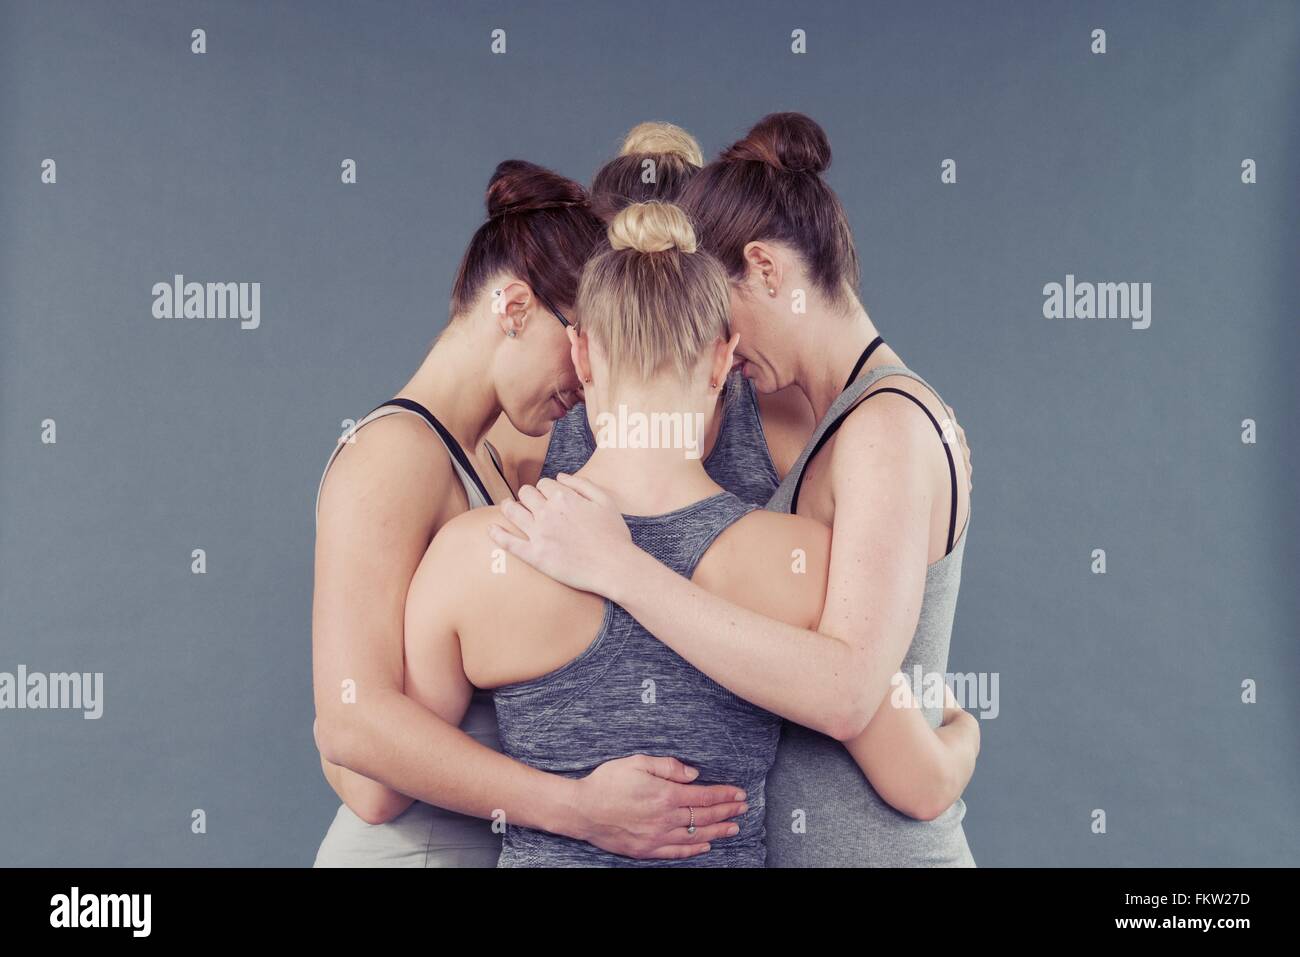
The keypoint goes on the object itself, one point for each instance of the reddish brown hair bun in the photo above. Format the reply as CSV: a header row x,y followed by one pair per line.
x,y
540,227
768,186
518,186
787,142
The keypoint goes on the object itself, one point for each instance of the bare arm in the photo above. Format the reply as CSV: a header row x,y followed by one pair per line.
x,y
917,770
376,516
374,523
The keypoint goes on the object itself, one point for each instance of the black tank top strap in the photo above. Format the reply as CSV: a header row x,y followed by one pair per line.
x,y
447,439
495,456
833,427
872,346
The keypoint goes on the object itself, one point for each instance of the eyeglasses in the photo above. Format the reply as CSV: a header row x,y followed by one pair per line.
x,y
552,310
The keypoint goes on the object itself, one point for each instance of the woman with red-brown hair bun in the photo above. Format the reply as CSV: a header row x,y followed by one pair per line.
x,y
418,791
883,468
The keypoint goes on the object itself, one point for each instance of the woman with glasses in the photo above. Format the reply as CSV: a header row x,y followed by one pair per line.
x,y
405,470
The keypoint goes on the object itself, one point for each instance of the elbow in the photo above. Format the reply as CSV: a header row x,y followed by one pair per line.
x,y
379,809
932,801
928,807
335,739
921,804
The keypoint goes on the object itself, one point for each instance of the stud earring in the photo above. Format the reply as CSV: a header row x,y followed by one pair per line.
x,y
510,334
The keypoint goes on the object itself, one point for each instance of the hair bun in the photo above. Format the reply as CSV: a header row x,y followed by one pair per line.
x,y
652,227
518,186
665,138
789,142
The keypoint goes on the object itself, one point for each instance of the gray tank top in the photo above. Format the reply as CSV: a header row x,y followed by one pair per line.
x,y
739,460
423,835
821,810
629,693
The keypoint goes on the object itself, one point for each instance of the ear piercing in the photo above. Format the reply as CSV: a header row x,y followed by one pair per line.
x,y
510,334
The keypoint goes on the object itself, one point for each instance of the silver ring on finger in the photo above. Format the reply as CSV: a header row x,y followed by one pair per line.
x,y
690,828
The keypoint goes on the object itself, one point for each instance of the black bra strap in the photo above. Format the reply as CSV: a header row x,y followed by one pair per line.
x,y
496,461
448,439
947,448
872,346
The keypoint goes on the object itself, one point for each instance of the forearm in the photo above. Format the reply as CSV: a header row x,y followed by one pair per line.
x,y
813,679
369,800
397,742
918,770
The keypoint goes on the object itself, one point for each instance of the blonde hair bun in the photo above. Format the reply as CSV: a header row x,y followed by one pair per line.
x,y
652,227
664,138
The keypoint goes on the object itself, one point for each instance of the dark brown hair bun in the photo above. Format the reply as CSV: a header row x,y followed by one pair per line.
x,y
789,142
540,227
518,186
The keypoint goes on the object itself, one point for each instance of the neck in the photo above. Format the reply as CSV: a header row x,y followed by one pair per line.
x,y
649,462
454,384
826,358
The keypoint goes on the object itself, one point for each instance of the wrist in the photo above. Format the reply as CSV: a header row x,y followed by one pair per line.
x,y
560,813
623,569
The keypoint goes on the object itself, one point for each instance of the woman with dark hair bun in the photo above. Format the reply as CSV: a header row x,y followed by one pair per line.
x,y
418,791
881,469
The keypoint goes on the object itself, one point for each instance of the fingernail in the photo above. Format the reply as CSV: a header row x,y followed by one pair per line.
x,y
692,773
744,808
733,830
740,795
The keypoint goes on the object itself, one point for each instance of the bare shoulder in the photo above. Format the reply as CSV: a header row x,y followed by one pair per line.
x,y
771,563
393,465
464,555
888,429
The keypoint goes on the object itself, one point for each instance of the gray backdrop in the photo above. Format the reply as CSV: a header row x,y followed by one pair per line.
x,y
1120,692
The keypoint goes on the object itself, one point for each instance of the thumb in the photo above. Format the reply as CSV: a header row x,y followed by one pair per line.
x,y
670,769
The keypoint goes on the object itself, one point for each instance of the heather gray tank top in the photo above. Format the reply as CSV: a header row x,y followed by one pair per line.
x,y
422,835
821,811
629,693
739,460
